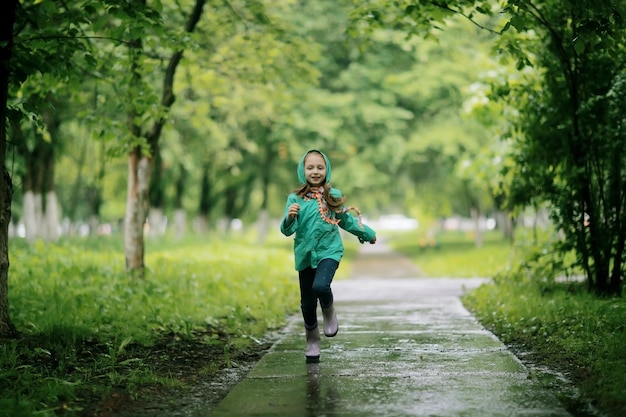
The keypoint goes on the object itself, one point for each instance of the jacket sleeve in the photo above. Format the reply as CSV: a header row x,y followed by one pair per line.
x,y
288,226
351,224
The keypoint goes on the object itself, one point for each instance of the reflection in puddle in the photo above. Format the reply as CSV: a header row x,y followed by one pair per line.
x,y
318,401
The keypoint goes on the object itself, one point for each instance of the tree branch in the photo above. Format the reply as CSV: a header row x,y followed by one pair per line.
x,y
168,98
480,26
236,12
36,38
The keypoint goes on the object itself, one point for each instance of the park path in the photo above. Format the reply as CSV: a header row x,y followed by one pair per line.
x,y
406,347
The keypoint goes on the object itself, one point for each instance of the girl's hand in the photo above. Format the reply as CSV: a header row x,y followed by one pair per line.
x,y
373,241
293,210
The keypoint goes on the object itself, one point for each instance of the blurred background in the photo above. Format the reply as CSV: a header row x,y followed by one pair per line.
x,y
412,138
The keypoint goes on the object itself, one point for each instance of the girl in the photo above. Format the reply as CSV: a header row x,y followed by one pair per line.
x,y
314,212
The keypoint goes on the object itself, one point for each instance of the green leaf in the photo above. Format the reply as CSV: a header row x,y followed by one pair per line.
x,y
579,46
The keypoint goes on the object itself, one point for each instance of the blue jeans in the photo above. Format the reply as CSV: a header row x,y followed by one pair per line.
x,y
314,285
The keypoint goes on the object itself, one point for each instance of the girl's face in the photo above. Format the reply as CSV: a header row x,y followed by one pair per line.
x,y
315,169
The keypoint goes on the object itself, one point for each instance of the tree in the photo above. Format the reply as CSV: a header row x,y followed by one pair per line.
x,y
37,145
7,329
145,142
569,140
25,50
49,63
572,148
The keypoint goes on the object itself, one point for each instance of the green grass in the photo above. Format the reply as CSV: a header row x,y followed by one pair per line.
x,y
86,328
454,254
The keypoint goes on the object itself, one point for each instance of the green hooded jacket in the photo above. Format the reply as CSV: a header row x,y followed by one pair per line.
x,y
315,238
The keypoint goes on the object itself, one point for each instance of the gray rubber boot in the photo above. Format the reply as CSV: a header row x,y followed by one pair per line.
x,y
331,327
313,345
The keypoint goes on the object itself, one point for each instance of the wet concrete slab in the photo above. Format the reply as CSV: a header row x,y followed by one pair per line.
x,y
406,347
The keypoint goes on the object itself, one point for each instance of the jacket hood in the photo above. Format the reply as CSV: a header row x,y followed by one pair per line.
x,y
302,177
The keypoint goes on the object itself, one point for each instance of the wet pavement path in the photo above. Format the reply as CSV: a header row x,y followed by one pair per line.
x,y
406,347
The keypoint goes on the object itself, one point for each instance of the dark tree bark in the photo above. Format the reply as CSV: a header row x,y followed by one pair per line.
x,y
7,19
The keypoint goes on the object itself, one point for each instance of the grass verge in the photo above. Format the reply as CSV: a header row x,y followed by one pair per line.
x,y
89,333
455,254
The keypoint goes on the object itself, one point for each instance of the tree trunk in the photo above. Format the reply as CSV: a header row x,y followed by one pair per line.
x,y
136,211
51,218
206,203
7,19
7,329
180,223
32,214
94,193
94,225
263,226
29,200
41,218
478,230
156,216
78,185
505,224
94,202
31,181
180,217
157,222
266,174
201,225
